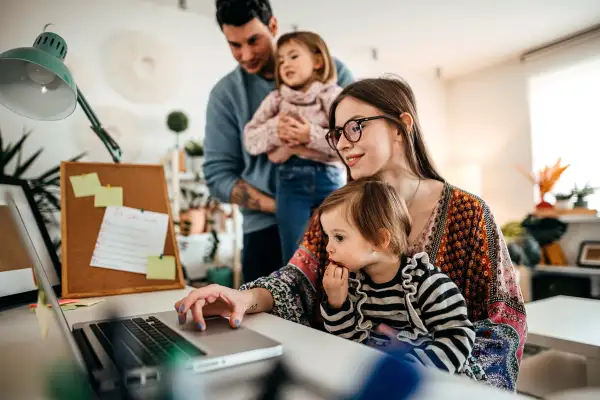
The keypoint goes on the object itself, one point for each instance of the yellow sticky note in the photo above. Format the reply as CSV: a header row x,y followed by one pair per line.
x,y
88,302
85,185
109,196
160,268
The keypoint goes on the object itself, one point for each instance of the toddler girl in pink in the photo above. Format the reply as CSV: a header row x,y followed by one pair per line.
x,y
290,126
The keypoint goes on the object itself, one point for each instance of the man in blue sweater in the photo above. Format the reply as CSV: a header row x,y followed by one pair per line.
x,y
233,175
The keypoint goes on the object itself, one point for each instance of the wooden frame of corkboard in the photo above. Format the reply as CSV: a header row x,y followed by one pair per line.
x,y
144,187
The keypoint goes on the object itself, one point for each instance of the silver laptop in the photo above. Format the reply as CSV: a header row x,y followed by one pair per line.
x,y
133,351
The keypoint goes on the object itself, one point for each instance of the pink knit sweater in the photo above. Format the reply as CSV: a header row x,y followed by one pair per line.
x,y
260,134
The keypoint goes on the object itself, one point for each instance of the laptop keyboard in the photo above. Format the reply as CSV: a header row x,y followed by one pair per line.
x,y
136,342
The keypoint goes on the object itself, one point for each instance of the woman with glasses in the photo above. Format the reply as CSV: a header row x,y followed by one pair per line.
x,y
375,130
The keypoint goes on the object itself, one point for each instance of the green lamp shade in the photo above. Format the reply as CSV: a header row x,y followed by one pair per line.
x,y
35,83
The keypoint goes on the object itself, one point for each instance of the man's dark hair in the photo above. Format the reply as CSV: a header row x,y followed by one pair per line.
x,y
240,12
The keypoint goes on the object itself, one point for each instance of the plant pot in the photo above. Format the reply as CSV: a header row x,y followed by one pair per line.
x,y
544,205
196,163
196,218
562,204
580,203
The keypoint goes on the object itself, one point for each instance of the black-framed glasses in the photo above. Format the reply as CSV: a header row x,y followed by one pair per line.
x,y
352,130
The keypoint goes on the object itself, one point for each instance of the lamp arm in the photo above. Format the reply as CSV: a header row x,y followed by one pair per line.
x,y
112,146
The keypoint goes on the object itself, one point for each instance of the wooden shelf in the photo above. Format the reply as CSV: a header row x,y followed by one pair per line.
x,y
579,219
577,213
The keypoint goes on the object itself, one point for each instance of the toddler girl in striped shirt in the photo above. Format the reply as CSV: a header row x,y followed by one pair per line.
x,y
373,288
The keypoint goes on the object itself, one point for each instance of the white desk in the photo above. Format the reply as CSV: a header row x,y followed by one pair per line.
x,y
335,363
569,324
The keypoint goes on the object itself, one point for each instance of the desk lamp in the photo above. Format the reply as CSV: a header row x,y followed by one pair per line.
x,y
35,83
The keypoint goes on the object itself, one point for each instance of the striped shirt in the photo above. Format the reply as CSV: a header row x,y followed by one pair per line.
x,y
423,306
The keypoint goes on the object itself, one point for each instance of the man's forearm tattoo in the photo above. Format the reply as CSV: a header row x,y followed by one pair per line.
x,y
245,195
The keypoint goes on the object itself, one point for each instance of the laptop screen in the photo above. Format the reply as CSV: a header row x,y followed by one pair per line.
x,y
17,211
16,276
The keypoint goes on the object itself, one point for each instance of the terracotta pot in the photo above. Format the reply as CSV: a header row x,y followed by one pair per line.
x,y
544,205
196,219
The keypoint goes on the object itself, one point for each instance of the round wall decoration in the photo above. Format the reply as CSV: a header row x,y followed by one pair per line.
x,y
140,67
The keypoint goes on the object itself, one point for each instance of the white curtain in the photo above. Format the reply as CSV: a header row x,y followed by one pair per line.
x,y
564,99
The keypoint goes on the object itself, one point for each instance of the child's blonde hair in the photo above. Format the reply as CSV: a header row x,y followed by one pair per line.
x,y
372,205
316,45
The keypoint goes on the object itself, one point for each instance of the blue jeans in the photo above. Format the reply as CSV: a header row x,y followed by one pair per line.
x,y
301,187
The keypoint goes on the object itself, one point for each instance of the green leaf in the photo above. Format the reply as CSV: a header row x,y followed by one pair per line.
x,y
56,170
12,150
10,153
48,174
53,183
20,170
1,154
51,197
4,161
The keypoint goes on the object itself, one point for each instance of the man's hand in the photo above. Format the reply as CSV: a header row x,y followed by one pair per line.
x,y
280,155
250,197
335,283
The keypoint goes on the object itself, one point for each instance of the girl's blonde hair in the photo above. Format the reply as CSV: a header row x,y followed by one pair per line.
x,y
372,205
316,45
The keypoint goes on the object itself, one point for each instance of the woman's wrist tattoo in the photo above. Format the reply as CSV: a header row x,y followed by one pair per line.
x,y
253,307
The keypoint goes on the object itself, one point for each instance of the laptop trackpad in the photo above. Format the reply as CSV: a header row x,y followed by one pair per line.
x,y
218,338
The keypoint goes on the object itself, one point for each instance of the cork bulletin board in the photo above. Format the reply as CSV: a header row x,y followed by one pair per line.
x,y
144,188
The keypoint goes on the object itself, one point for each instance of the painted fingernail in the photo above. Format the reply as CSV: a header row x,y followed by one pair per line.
x,y
181,319
237,323
181,308
200,326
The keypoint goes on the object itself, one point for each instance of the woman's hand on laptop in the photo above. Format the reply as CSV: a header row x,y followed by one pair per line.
x,y
214,300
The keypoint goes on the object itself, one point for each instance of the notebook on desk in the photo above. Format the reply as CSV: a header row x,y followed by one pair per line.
x,y
133,351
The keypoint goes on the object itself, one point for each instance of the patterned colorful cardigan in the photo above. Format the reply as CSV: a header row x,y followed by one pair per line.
x,y
466,243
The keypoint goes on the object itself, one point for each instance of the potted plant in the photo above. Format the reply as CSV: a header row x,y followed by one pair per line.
x,y
522,247
562,200
545,180
177,122
45,187
193,213
195,153
581,194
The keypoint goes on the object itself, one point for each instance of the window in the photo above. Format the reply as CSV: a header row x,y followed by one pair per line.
x,y
565,123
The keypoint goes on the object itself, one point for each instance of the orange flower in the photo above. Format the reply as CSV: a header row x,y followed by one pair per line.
x,y
546,178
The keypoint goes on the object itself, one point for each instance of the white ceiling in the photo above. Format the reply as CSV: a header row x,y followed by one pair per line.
x,y
457,36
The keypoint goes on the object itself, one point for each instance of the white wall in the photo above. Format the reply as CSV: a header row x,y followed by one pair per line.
x,y
202,55
430,94
488,125
86,26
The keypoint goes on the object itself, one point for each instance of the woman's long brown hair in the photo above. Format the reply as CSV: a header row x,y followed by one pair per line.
x,y
393,97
